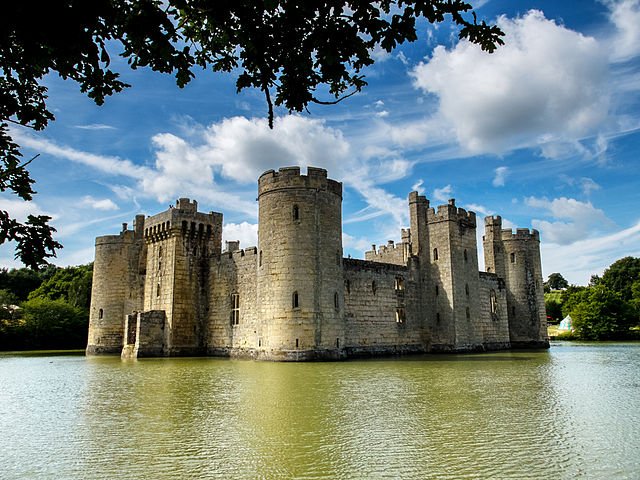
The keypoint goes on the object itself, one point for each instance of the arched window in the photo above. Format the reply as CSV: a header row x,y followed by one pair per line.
x,y
100,313
336,301
295,302
435,254
295,212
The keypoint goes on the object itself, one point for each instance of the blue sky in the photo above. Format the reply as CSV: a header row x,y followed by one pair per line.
x,y
545,132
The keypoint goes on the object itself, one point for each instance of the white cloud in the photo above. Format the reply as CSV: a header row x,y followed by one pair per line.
x,y
443,194
382,114
246,232
480,210
546,84
625,16
588,185
102,204
574,220
96,126
500,176
589,256
20,210
417,187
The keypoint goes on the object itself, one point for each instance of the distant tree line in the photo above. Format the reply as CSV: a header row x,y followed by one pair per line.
x,y
46,309
607,309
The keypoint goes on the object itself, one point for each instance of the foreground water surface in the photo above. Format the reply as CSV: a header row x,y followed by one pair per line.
x,y
571,412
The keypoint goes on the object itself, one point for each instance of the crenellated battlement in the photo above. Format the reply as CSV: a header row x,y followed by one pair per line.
x,y
420,199
507,234
451,213
183,219
291,178
239,254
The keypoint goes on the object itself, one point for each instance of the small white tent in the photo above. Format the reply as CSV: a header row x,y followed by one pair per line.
x,y
566,324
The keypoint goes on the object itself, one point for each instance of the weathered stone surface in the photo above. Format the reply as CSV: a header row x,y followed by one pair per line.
x,y
294,297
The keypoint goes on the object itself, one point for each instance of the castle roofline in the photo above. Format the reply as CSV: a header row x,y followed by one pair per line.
x,y
291,178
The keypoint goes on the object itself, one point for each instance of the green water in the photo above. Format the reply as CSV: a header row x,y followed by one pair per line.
x,y
571,412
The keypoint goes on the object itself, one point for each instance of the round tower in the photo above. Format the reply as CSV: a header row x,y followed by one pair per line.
x,y
525,291
300,276
116,288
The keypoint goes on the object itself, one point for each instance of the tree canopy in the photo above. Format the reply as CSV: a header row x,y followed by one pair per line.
x,y
296,53
557,282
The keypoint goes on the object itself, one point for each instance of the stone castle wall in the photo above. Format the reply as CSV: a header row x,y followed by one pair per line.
x,y
167,288
381,311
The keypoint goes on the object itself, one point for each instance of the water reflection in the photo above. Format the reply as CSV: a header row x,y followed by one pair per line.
x,y
565,413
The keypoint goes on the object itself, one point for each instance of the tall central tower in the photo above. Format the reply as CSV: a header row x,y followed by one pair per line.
x,y
300,276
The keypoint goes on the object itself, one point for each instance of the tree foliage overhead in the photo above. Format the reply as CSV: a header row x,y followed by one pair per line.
x,y
296,53
557,282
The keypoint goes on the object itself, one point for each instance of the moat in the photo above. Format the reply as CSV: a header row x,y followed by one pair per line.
x,y
569,412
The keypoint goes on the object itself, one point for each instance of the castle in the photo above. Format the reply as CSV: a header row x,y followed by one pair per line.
x,y
166,288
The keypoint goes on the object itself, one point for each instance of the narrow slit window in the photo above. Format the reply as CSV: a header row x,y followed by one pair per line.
x,y
336,301
437,317
158,290
297,342
401,316
493,301
437,290
466,289
260,259
337,343
374,287
100,313
513,258
399,283
235,308
468,314
295,301
435,254
296,212
347,285
466,257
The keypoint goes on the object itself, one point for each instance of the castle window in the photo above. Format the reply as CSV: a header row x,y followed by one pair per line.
x,y
235,308
294,300
435,254
513,311
100,313
513,258
158,290
336,301
437,317
297,342
374,287
437,290
160,251
468,314
466,257
337,343
493,301
466,289
160,265
401,316
399,284
296,212
347,286
260,259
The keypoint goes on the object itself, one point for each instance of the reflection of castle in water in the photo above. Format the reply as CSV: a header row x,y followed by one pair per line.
x,y
166,288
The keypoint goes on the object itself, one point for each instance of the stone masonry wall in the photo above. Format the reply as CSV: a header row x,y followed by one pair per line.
x,y
493,312
380,308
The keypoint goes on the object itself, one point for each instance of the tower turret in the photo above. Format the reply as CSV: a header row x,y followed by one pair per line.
x,y
454,277
118,278
516,258
300,275
180,243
